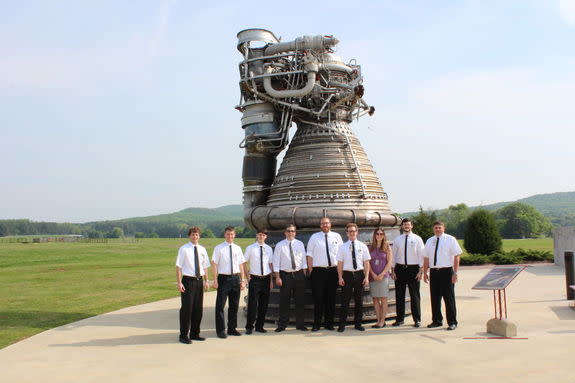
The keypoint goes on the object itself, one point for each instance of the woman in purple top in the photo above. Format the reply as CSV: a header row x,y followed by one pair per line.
x,y
380,263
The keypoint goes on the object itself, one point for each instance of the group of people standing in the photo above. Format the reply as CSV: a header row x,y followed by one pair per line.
x,y
329,263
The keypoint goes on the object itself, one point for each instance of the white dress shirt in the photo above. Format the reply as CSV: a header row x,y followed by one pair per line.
x,y
221,258
185,259
447,249
252,255
344,254
282,258
317,251
415,250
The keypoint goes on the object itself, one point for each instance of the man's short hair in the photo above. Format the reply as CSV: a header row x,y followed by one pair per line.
x,y
262,231
351,224
229,228
405,220
194,229
440,223
290,226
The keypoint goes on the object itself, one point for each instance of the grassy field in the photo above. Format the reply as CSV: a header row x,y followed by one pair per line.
x,y
45,285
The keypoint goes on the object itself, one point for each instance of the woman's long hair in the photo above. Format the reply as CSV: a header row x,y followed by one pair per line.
x,y
384,245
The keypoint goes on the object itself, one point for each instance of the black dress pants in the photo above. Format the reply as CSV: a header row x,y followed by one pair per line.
x,y
440,286
228,287
293,284
353,286
192,306
258,298
324,287
405,277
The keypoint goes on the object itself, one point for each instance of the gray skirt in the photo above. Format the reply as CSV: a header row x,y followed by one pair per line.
x,y
379,289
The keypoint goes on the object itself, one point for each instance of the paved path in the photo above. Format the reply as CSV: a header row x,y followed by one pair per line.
x,y
139,344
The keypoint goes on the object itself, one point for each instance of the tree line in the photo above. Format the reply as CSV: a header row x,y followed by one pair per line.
x,y
118,229
516,220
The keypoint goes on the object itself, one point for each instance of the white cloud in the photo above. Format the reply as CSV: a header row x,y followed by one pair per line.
x,y
567,11
163,19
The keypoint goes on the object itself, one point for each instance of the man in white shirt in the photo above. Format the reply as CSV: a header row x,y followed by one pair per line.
x,y
290,267
228,264
321,260
442,253
259,255
353,273
407,269
191,266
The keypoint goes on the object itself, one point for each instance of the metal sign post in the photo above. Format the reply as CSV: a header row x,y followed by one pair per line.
x,y
497,280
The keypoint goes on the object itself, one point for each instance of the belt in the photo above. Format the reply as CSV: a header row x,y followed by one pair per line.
x,y
192,277
401,265
353,271
290,272
442,268
229,275
260,276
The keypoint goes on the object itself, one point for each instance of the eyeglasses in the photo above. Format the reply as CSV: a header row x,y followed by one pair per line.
x,y
290,231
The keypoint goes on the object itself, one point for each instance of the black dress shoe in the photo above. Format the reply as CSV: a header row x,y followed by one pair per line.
x,y
280,329
261,329
301,328
359,327
434,325
185,340
451,327
249,331
222,335
341,329
397,324
330,327
234,332
198,338
315,328
417,324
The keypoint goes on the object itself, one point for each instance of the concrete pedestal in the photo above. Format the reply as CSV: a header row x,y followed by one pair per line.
x,y
501,327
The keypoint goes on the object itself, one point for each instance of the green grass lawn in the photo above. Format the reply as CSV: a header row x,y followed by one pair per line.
x,y
526,244
45,285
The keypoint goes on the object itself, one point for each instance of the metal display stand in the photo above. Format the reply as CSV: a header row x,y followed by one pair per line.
x,y
497,280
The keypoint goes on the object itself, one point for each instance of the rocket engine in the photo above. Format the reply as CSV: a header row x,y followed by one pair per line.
x,y
325,171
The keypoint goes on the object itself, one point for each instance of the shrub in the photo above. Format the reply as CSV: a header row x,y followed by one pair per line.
x,y
481,234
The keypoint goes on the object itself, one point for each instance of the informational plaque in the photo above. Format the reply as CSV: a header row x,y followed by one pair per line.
x,y
498,278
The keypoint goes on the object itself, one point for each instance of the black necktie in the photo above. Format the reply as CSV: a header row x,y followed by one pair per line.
x,y
327,251
196,262
262,259
435,257
292,257
353,255
231,261
405,249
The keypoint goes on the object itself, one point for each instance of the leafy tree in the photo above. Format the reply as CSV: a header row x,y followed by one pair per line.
x,y
116,232
208,233
481,233
455,218
423,223
518,220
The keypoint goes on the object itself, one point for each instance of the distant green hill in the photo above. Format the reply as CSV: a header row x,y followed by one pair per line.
x,y
558,207
191,215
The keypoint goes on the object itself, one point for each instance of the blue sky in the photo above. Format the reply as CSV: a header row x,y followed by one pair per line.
x,y
113,109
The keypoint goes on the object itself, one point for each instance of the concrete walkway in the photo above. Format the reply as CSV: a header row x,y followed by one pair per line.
x,y
139,344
